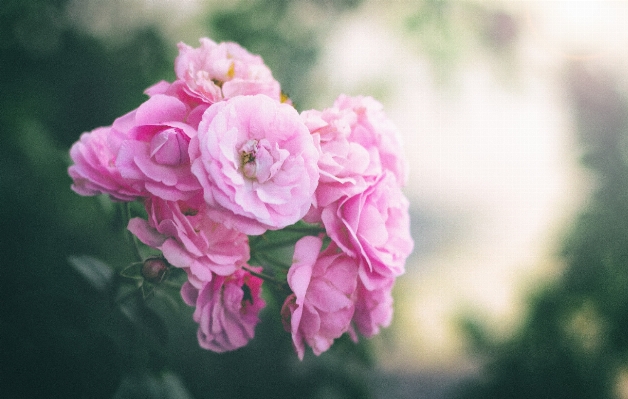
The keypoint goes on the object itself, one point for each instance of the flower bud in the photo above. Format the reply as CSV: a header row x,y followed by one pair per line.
x,y
153,269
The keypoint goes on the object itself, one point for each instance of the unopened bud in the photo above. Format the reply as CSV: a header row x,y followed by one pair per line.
x,y
154,269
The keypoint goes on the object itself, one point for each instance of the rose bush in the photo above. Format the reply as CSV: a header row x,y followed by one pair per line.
x,y
231,178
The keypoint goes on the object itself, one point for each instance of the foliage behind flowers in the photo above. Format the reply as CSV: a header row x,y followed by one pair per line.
x,y
229,173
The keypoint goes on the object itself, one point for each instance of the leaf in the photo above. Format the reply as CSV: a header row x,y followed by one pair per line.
x,y
133,271
150,385
95,271
145,319
173,387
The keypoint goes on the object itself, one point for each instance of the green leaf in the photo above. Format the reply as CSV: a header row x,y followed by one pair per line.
x,y
96,272
146,319
133,271
166,385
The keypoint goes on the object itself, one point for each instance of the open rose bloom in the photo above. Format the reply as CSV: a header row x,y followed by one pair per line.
x,y
218,158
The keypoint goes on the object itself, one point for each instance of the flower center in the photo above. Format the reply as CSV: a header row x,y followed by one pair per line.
x,y
259,160
247,159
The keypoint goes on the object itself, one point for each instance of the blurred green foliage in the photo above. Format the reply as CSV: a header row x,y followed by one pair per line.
x,y
69,326
574,342
451,34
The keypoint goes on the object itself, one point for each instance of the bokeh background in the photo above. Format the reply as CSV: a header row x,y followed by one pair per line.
x,y
514,117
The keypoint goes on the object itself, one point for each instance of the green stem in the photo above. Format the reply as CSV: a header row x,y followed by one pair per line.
x,y
307,230
273,245
264,276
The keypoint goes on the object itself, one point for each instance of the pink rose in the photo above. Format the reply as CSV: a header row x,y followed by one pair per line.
x,y
374,131
189,239
177,89
322,304
94,171
357,144
345,166
256,162
214,72
227,309
373,226
155,151
373,309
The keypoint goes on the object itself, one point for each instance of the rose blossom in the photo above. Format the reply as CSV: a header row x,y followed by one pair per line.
x,y
155,152
256,162
178,90
344,166
373,309
189,239
374,131
93,171
214,72
322,304
357,143
373,226
227,309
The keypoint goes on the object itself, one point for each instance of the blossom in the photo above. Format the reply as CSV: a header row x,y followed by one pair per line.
x,y
373,308
191,240
93,170
154,153
219,155
227,309
322,303
217,71
178,90
256,163
374,227
374,131
358,143
345,166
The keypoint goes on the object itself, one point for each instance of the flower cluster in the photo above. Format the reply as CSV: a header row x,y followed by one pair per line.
x,y
219,158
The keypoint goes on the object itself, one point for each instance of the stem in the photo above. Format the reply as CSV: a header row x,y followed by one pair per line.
x,y
264,276
307,230
277,244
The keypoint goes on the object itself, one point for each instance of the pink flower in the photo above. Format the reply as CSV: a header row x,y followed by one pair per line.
x,y
322,304
256,162
94,171
345,166
357,143
189,239
227,309
214,72
155,151
374,131
178,90
374,227
373,309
